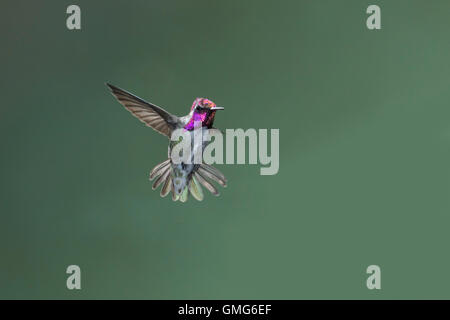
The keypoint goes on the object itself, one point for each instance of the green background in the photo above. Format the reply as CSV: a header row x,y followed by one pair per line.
x,y
364,150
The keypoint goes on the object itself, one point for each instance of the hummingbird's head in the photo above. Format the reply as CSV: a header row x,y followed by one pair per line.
x,y
203,110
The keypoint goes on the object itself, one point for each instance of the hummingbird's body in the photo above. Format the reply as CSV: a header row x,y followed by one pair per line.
x,y
180,178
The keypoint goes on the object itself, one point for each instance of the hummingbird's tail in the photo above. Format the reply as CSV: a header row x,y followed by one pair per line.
x,y
200,176
162,171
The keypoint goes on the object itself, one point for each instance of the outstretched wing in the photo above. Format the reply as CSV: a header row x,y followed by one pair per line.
x,y
148,113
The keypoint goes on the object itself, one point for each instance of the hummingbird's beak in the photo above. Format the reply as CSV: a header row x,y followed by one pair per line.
x,y
217,108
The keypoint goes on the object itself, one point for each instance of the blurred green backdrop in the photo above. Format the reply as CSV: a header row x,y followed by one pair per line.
x,y
364,150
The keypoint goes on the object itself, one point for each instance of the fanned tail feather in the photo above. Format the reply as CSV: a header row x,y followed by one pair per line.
x,y
212,176
201,176
175,197
206,184
157,170
195,189
162,178
184,195
166,186
219,175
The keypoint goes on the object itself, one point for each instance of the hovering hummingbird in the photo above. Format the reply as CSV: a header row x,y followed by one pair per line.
x,y
178,178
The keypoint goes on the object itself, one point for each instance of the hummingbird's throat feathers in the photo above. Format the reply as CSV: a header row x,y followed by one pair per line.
x,y
206,119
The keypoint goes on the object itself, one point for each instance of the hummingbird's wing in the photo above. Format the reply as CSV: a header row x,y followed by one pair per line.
x,y
148,113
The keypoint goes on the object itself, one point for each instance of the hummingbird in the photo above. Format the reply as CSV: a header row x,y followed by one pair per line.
x,y
181,179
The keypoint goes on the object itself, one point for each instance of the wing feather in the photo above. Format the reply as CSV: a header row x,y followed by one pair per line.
x,y
152,115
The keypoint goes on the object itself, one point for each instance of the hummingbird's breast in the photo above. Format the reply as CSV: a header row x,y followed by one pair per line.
x,y
181,172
